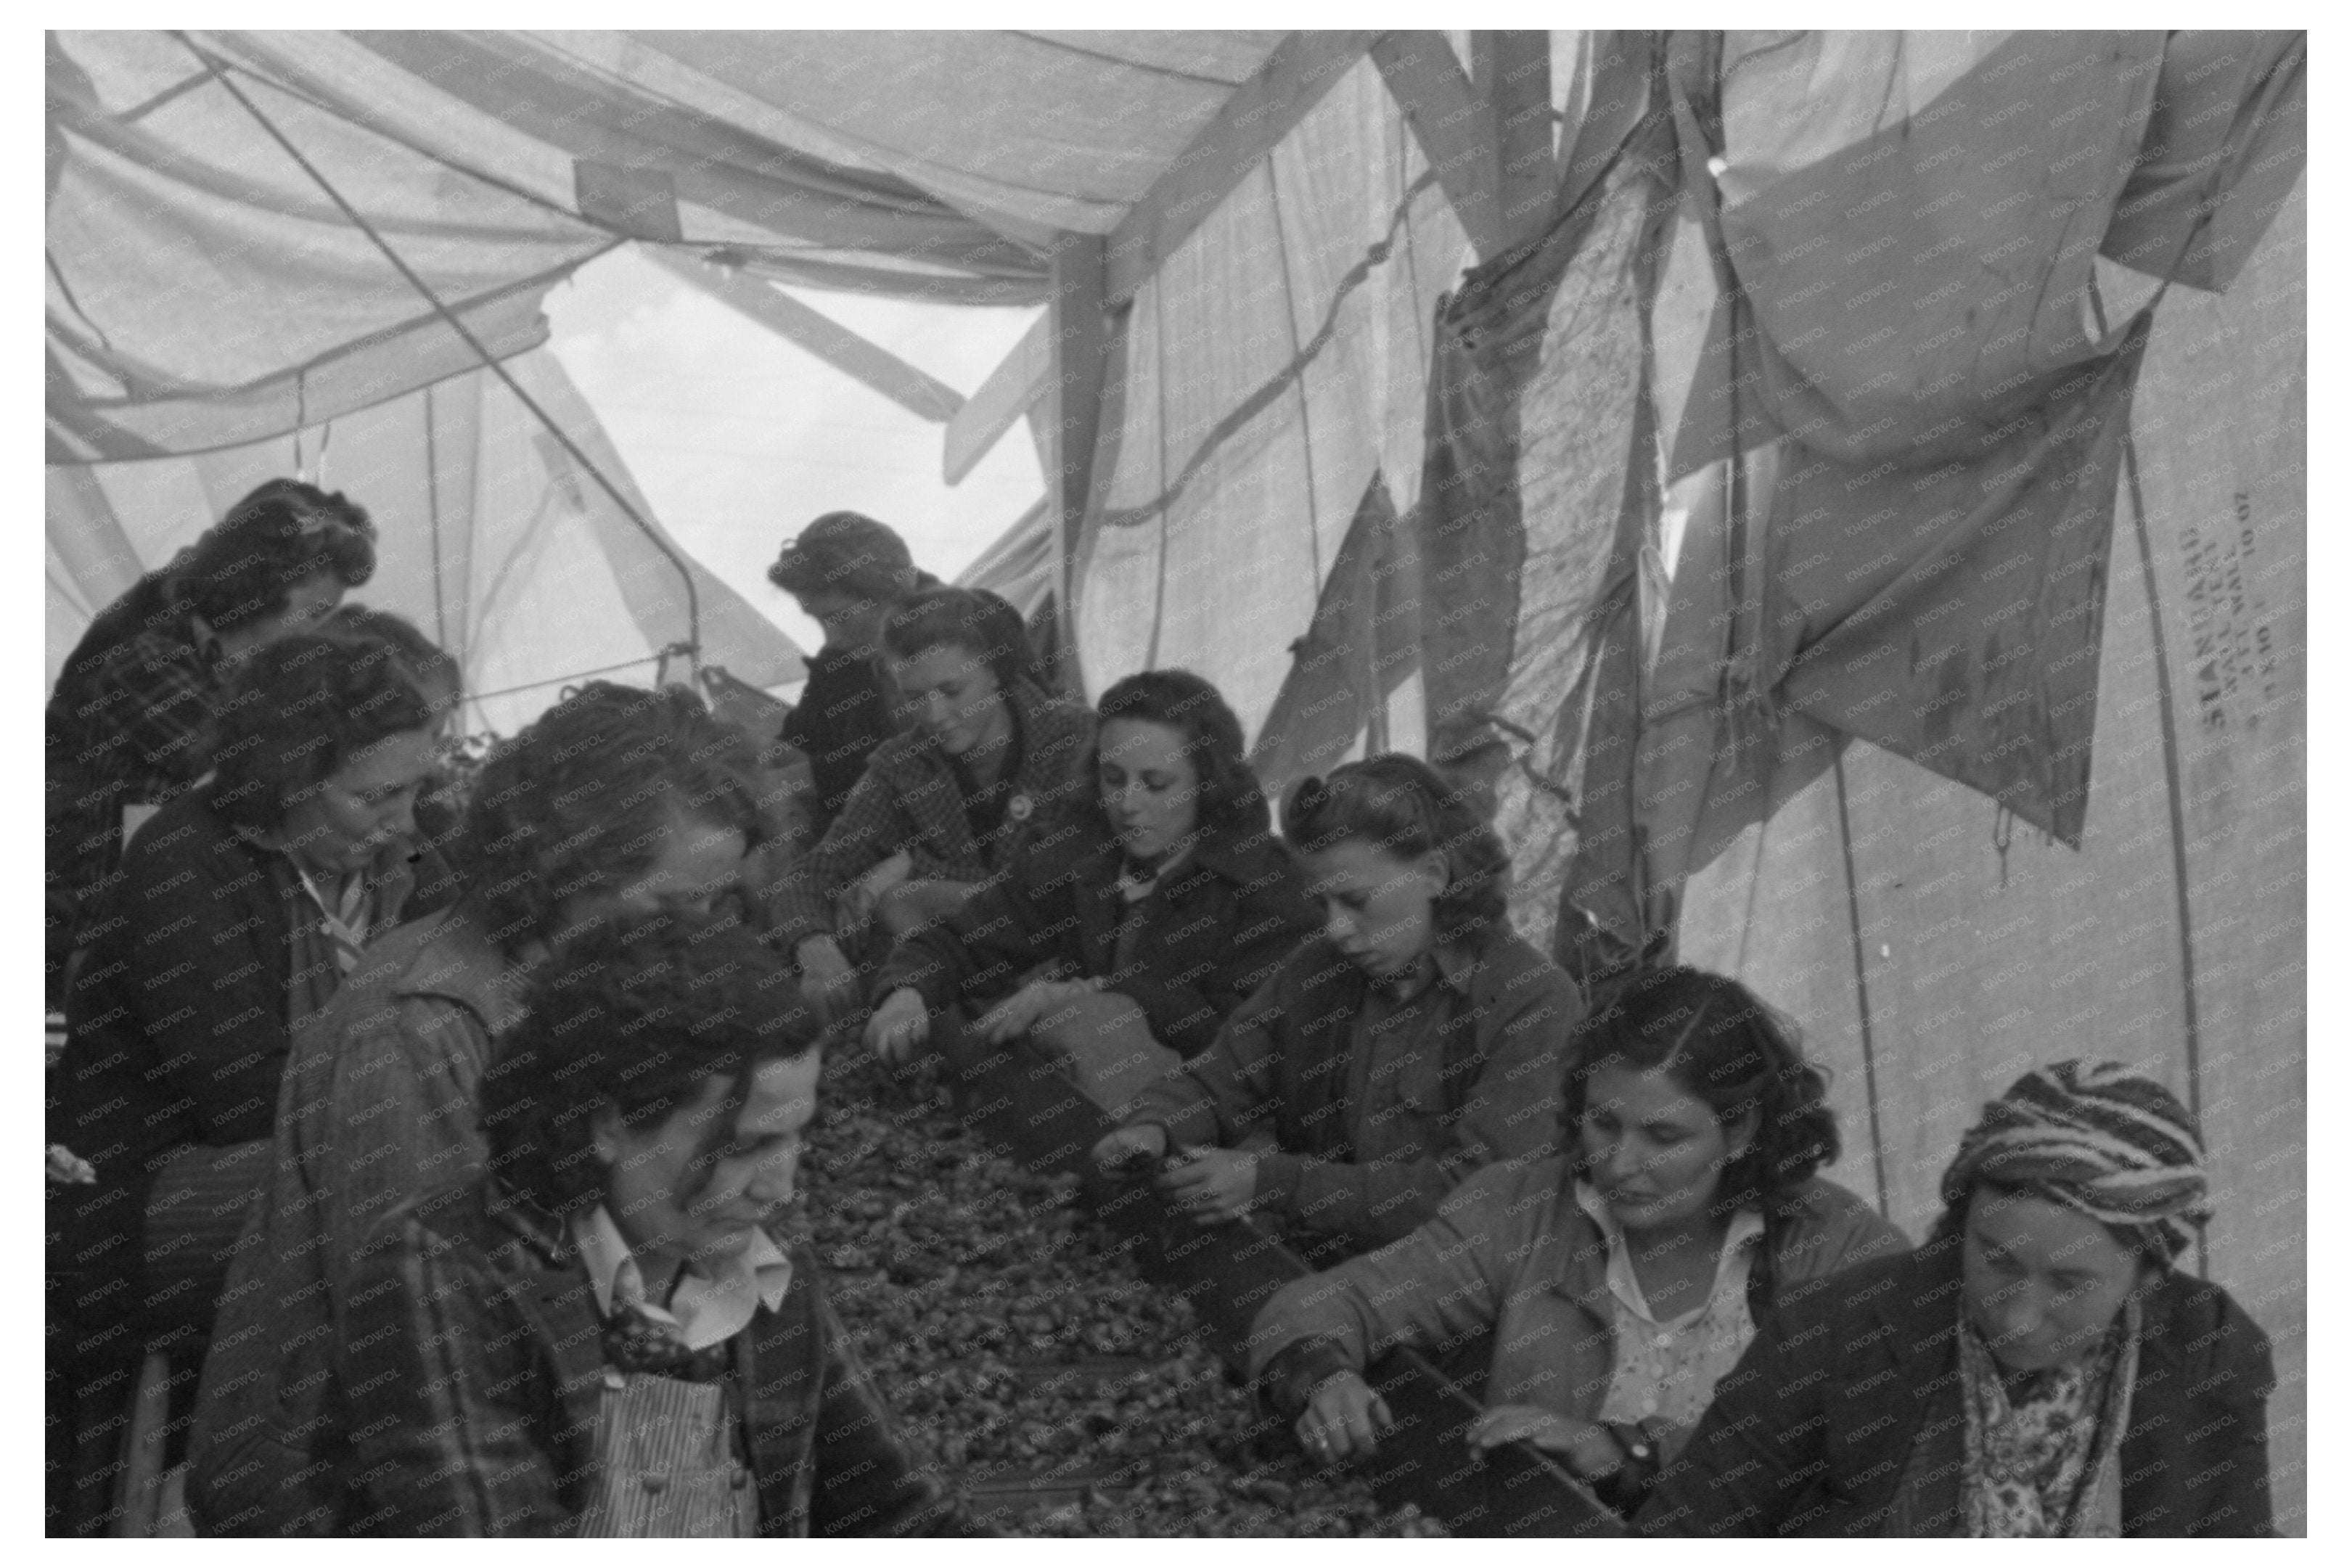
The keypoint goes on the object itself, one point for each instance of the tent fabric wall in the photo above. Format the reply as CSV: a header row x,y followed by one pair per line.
x,y
1930,943
1240,453
488,538
1933,950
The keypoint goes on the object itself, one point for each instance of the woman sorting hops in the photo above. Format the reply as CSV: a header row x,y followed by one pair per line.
x,y
941,808
1121,938
2040,1367
1621,1281
1415,1039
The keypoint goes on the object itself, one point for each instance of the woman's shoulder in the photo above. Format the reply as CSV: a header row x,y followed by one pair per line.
x,y
1510,964
2201,1322
1055,723
1251,859
1825,1228
186,833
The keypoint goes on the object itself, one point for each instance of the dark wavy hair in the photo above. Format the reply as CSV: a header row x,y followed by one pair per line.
x,y
1230,797
397,637
575,804
284,531
1399,805
635,1016
1719,1044
295,713
969,618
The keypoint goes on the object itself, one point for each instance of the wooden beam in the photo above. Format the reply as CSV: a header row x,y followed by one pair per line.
x,y
1455,126
820,334
1513,73
1260,113
1010,392
1079,340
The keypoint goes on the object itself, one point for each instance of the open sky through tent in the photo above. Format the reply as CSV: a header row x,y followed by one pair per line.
x,y
739,436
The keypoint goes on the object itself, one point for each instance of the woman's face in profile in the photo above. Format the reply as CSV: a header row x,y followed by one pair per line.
x,y
2042,1283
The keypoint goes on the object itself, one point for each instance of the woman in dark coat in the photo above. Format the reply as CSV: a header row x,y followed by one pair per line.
x,y
943,809
1121,939
241,907
2039,1368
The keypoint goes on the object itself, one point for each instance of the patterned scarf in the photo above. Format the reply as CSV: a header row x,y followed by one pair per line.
x,y
2050,1462
2096,1137
635,1340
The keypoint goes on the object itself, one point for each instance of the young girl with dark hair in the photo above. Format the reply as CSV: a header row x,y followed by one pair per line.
x,y
1123,935
1415,1039
943,808
1621,1281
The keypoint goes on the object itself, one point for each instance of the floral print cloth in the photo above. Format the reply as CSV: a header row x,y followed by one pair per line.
x,y
2049,1461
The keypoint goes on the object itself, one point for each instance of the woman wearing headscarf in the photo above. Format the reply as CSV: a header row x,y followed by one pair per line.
x,y
2040,1367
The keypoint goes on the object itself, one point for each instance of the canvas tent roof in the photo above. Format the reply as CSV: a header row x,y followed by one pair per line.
x,y
1772,348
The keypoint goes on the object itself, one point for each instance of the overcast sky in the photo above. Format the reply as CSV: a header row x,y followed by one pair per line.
x,y
739,436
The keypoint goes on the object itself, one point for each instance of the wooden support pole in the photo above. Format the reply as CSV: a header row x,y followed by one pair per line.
x,y
1512,72
1078,337
820,334
1011,388
1453,125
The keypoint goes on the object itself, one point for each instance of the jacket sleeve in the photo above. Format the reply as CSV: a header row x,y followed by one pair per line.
x,y
865,1482
402,1122
1511,1111
1000,934
1226,1092
2237,1371
1271,917
1762,1442
207,964
1447,1278
871,827
443,1362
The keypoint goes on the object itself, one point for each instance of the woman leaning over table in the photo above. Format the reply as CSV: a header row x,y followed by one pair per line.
x,y
1621,1279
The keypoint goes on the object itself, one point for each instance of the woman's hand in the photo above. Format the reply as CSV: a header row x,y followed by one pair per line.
x,y
1585,1447
860,897
1344,1420
1216,1187
828,980
1129,1148
1017,1014
900,1028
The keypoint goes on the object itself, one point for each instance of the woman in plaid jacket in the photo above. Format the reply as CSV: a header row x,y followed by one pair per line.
x,y
946,806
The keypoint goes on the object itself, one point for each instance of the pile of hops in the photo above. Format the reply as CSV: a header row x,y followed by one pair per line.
x,y
1011,1336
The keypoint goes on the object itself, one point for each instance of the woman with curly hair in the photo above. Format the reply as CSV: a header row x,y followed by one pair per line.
x,y
127,725
241,909
1415,1039
616,801
1121,938
1621,1281
943,809
600,1334
2040,1367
